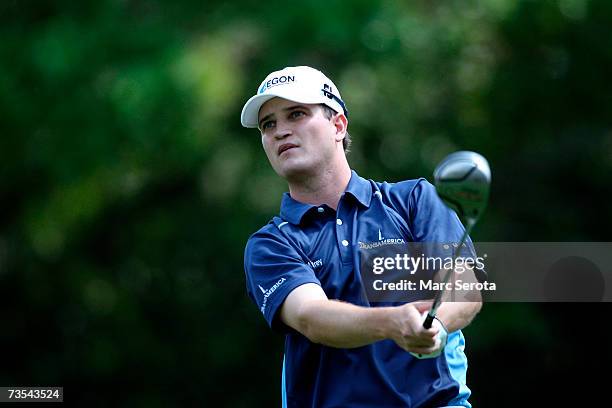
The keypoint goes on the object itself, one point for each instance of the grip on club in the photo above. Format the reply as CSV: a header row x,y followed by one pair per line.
x,y
428,321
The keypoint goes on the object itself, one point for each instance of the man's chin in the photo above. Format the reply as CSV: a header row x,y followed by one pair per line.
x,y
294,171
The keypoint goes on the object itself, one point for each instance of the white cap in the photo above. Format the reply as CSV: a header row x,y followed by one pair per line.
x,y
299,84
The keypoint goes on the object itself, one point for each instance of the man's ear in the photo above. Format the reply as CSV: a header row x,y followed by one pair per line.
x,y
341,124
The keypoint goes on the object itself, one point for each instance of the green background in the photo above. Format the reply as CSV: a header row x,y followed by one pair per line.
x,y
128,187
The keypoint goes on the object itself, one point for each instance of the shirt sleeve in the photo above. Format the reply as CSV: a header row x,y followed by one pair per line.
x,y
433,222
273,269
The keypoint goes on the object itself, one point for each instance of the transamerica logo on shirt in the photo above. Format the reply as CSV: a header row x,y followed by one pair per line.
x,y
269,292
382,241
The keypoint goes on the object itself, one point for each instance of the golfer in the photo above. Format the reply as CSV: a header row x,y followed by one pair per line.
x,y
303,267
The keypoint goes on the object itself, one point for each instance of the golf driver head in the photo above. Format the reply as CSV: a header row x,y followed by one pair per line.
x,y
462,181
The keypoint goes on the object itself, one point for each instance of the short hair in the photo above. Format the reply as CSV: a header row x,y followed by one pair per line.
x,y
346,142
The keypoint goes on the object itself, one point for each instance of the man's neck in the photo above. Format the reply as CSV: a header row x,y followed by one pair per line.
x,y
324,188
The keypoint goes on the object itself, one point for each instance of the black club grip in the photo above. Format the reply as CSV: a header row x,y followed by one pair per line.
x,y
428,321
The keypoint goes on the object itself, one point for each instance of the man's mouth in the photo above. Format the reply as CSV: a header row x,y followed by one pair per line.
x,y
284,147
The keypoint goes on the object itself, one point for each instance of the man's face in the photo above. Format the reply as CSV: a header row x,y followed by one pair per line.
x,y
297,138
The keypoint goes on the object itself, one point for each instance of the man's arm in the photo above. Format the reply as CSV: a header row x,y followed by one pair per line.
x,y
343,325
454,315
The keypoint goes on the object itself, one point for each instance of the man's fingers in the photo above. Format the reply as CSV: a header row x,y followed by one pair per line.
x,y
424,348
423,305
422,342
427,333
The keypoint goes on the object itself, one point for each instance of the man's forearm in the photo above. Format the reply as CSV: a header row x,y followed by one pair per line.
x,y
344,325
457,315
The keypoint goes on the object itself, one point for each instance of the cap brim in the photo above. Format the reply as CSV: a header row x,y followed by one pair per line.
x,y
250,111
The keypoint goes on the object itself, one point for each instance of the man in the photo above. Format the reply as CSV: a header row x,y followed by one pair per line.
x,y
303,268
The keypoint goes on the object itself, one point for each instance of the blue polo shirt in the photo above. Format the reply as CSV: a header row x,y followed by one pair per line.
x,y
317,244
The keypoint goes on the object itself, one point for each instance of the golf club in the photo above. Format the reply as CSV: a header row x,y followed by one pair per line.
x,y
462,181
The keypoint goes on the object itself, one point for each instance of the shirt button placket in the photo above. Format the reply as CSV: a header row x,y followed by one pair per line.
x,y
343,233
344,241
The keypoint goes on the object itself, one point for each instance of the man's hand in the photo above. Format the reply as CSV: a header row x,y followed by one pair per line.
x,y
441,338
410,334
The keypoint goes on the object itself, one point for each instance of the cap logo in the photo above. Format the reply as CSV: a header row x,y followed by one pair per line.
x,y
276,81
327,91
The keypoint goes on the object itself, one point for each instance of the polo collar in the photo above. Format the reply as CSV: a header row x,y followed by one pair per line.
x,y
293,210
360,188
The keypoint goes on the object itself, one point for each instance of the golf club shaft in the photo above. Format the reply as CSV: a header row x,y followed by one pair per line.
x,y
431,315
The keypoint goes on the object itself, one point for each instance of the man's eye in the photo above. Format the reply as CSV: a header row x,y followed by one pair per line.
x,y
296,114
267,125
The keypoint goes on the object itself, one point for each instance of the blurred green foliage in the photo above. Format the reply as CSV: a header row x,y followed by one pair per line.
x,y
128,188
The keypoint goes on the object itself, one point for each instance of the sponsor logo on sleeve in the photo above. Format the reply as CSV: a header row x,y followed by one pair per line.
x,y
269,292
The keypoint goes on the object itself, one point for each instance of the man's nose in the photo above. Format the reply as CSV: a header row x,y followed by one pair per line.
x,y
283,129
